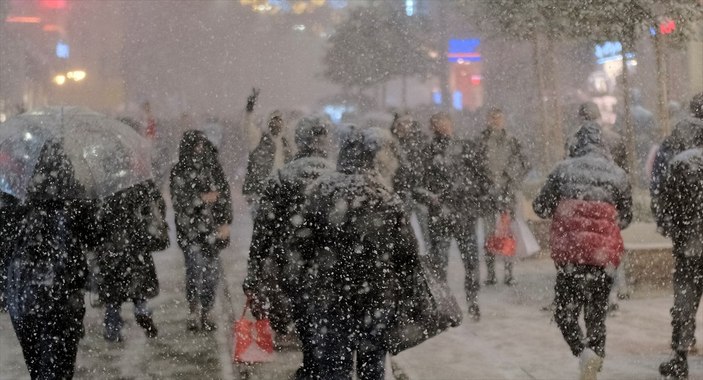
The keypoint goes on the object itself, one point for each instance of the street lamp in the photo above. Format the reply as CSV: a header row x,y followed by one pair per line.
x,y
60,79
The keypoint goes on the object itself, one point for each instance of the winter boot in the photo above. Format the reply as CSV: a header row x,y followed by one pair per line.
x,y
676,367
491,270
589,364
474,312
193,323
207,323
147,323
509,279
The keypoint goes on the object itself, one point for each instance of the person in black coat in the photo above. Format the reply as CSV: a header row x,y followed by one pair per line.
x,y
202,203
8,231
47,267
358,254
273,260
682,138
133,225
456,189
681,204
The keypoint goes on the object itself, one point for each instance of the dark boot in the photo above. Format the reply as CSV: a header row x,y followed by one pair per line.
x,y
676,368
147,323
206,322
475,312
509,279
491,270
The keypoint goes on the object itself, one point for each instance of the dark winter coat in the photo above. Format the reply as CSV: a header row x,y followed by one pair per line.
x,y
681,200
360,253
590,200
513,166
410,174
440,164
261,162
9,228
47,265
197,172
133,225
613,142
686,135
280,217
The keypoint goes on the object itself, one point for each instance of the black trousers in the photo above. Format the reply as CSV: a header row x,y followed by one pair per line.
x,y
582,287
49,339
468,249
688,288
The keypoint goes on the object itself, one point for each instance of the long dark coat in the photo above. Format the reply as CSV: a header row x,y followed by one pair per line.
x,y
197,173
133,226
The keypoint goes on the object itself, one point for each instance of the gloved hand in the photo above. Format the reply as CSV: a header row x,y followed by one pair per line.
x,y
251,99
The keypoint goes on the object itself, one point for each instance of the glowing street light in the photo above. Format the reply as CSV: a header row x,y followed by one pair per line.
x,y
77,75
60,79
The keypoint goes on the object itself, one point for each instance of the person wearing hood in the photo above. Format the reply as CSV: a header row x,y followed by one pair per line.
x,y
502,155
681,203
47,267
202,204
359,256
682,138
589,199
133,223
270,153
589,114
274,261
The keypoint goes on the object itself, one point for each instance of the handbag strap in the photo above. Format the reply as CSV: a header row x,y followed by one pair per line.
x,y
246,307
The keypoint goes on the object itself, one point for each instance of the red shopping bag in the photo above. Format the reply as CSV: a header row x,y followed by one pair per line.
x,y
501,242
253,340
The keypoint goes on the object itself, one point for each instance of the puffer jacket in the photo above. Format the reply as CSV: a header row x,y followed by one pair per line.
x,y
589,200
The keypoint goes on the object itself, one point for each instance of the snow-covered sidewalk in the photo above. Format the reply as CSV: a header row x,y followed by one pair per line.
x,y
515,339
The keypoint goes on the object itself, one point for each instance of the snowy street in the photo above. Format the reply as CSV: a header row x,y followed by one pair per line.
x,y
515,339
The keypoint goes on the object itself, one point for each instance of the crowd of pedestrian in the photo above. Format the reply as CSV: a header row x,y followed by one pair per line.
x,y
339,218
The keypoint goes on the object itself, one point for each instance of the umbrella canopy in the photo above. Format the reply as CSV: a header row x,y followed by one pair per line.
x,y
106,155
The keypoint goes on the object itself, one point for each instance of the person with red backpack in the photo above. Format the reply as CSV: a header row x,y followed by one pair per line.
x,y
589,200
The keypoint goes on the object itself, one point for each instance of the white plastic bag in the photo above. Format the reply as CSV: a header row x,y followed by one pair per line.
x,y
525,242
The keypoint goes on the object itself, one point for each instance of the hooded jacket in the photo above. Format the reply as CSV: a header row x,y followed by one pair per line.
x,y
282,202
681,200
47,265
685,136
197,173
133,225
359,249
589,200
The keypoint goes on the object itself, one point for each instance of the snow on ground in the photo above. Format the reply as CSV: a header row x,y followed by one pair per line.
x,y
513,340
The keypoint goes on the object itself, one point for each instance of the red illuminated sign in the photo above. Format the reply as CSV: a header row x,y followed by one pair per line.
x,y
667,26
53,4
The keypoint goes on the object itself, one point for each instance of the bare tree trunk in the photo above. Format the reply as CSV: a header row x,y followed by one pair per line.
x,y
557,135
662,83
543,110
627,44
